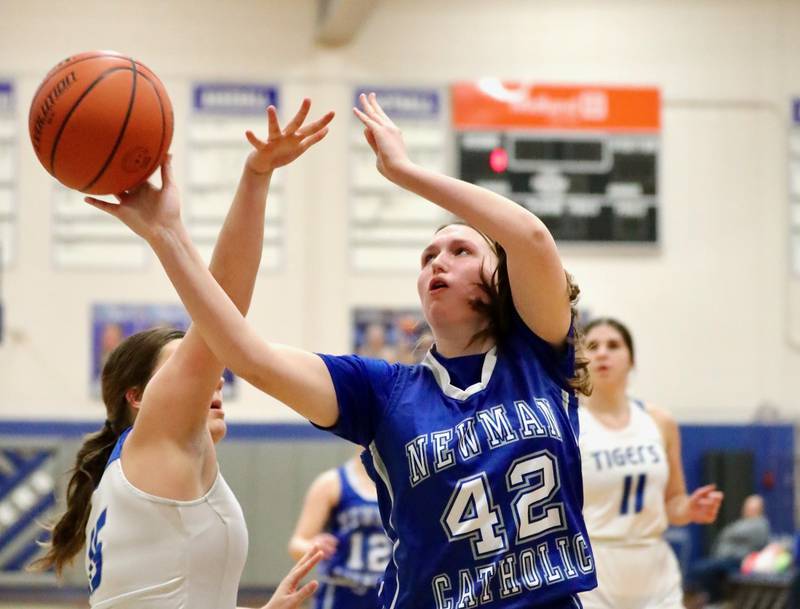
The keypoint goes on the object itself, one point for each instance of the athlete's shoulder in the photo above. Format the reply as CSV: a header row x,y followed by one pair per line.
x,y
326,487
664,420
661,415
522,343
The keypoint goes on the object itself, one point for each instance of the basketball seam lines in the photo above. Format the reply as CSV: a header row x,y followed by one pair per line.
x,y
163,125
121,131
72,111
50,76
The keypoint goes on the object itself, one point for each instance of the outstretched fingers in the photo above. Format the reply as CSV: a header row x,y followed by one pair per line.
x,y
167,176
305,592
299,118
315,126
376,107
273,123
254,141
305,565
313,139
368,109
366,119
109,208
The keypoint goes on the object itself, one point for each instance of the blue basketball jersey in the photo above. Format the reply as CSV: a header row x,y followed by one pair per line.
x,y
479,487
349,579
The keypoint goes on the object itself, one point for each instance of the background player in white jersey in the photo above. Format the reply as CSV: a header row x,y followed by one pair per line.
x,y
474,451
340,516
162,528
633,482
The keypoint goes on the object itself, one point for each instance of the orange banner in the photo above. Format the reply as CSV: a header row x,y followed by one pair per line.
x,y
493,104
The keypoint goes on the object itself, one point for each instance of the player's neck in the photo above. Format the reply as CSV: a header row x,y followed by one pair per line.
x,y
358,467
608,400
365,483
455,342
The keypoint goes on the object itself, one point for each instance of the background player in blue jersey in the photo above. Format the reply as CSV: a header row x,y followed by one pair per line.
x,y
161,527
340,516
633,483
474,451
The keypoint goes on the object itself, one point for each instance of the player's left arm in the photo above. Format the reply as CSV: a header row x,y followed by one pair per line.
x,y
538,281
702,506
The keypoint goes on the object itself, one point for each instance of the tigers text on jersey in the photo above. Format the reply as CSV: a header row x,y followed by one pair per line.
x,y
147,552
349,578
479,488
625,474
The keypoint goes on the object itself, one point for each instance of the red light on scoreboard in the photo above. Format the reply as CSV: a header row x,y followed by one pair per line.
x,y
498,160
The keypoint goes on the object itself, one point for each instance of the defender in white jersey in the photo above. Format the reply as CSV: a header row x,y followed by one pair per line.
x,y
633,483
162,529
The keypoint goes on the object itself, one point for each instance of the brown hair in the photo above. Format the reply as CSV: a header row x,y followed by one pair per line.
x,y
130,366
500,310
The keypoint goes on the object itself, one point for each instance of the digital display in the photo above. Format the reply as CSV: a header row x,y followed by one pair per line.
x,y
592,190
583,157
558,150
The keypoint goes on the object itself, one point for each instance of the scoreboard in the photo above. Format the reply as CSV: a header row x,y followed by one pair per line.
x,y
583,159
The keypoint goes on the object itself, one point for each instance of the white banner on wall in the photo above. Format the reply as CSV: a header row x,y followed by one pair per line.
x,y
217,148
794,189
8,173
388,227
793,288
85,238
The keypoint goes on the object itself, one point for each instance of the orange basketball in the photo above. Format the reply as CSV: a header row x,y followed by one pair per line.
x,y
101,122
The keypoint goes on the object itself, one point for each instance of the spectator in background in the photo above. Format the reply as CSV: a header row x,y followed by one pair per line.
x,y
736,540
375,344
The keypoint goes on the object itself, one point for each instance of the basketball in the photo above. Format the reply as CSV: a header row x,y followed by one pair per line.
x,y
100,122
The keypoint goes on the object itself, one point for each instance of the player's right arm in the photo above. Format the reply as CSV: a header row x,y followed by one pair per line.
x,y
296,377
178,395
702,506
321,499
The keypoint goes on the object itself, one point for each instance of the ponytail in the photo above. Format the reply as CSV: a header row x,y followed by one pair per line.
x,y
129,366
68,534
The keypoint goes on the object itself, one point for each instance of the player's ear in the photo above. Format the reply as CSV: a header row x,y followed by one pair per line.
x,y
134,398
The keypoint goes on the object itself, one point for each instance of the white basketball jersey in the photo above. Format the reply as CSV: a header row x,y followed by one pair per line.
x,y
148,552
625,473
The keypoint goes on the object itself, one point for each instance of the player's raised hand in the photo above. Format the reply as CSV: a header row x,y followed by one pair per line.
x,y
704,504
289,594
283,146
383,136
326,543
147,209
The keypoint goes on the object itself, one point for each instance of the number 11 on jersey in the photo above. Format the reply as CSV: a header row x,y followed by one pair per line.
x,y
625,506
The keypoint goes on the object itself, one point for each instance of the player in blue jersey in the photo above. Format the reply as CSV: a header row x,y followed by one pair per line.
x,y
474,451
340,516
633,481
161,527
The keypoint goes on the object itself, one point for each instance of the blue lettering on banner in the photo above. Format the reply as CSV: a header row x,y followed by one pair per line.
x,y
222,98
796,110
6,96
406,103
